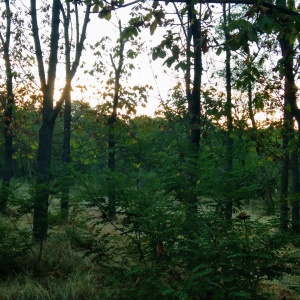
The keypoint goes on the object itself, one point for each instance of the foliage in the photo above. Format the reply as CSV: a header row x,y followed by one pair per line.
x,y
150,253
155,249
63,274
14,244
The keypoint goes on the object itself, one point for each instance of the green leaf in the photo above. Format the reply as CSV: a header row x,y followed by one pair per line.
x,y
158,52
162,54
182,65
96,8
169,61
153,26
219,51
266,24
259,104
108,16
252,36
105,13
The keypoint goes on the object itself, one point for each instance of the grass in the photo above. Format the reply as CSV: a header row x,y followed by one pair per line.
x,y
63,274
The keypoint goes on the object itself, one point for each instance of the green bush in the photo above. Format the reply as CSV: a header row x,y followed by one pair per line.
x,y
153,252
13,244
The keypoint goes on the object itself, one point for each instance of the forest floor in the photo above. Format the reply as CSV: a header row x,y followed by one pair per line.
x,y
65,273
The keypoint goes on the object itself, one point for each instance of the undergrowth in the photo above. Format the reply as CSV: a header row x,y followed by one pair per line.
x,y
152,251
62,274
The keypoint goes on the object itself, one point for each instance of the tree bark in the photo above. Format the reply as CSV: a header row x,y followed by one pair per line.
x,y
66,155
8,113
111,162
229,139
194,108
290,90
288,128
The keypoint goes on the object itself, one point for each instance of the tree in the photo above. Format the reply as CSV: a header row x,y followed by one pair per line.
x,y
290,111
70,72
8,103
49,111
117,96
228,110
113,119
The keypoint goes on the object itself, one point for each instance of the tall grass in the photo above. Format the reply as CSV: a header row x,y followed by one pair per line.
x,y
63,274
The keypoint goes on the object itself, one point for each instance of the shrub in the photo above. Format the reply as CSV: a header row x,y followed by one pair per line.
x,y
14,243
154,252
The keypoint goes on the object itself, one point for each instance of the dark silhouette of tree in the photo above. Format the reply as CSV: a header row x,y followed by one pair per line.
x,y
8,103
49,111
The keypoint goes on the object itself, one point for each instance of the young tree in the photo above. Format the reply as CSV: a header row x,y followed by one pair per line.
x,y
70,72
8,103
228,109
113,118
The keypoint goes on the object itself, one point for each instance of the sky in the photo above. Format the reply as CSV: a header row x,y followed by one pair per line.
x,y
146,72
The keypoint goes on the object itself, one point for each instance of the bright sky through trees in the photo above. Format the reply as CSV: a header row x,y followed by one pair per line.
x,y
147,71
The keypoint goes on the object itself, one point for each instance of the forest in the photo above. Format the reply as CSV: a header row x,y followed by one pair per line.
x,y
100,201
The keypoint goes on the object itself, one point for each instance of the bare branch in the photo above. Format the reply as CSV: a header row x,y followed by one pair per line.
x,y
37,44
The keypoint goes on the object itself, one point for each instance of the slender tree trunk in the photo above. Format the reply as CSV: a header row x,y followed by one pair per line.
x,y
40,216
66,155
8,113
285,173
194,109
289,100
291,110
295,189
66,159
111,162
229,140
265,182
194,104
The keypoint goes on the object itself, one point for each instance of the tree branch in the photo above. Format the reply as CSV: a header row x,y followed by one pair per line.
x,y
53,59
37,44
79,48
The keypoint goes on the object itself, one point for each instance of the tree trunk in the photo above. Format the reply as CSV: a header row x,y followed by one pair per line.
x,y
66,159
194,110
111,162
295,188
289,107
229,140
265,182
40,215
285,173
8,113
66,155
290,90
291,110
